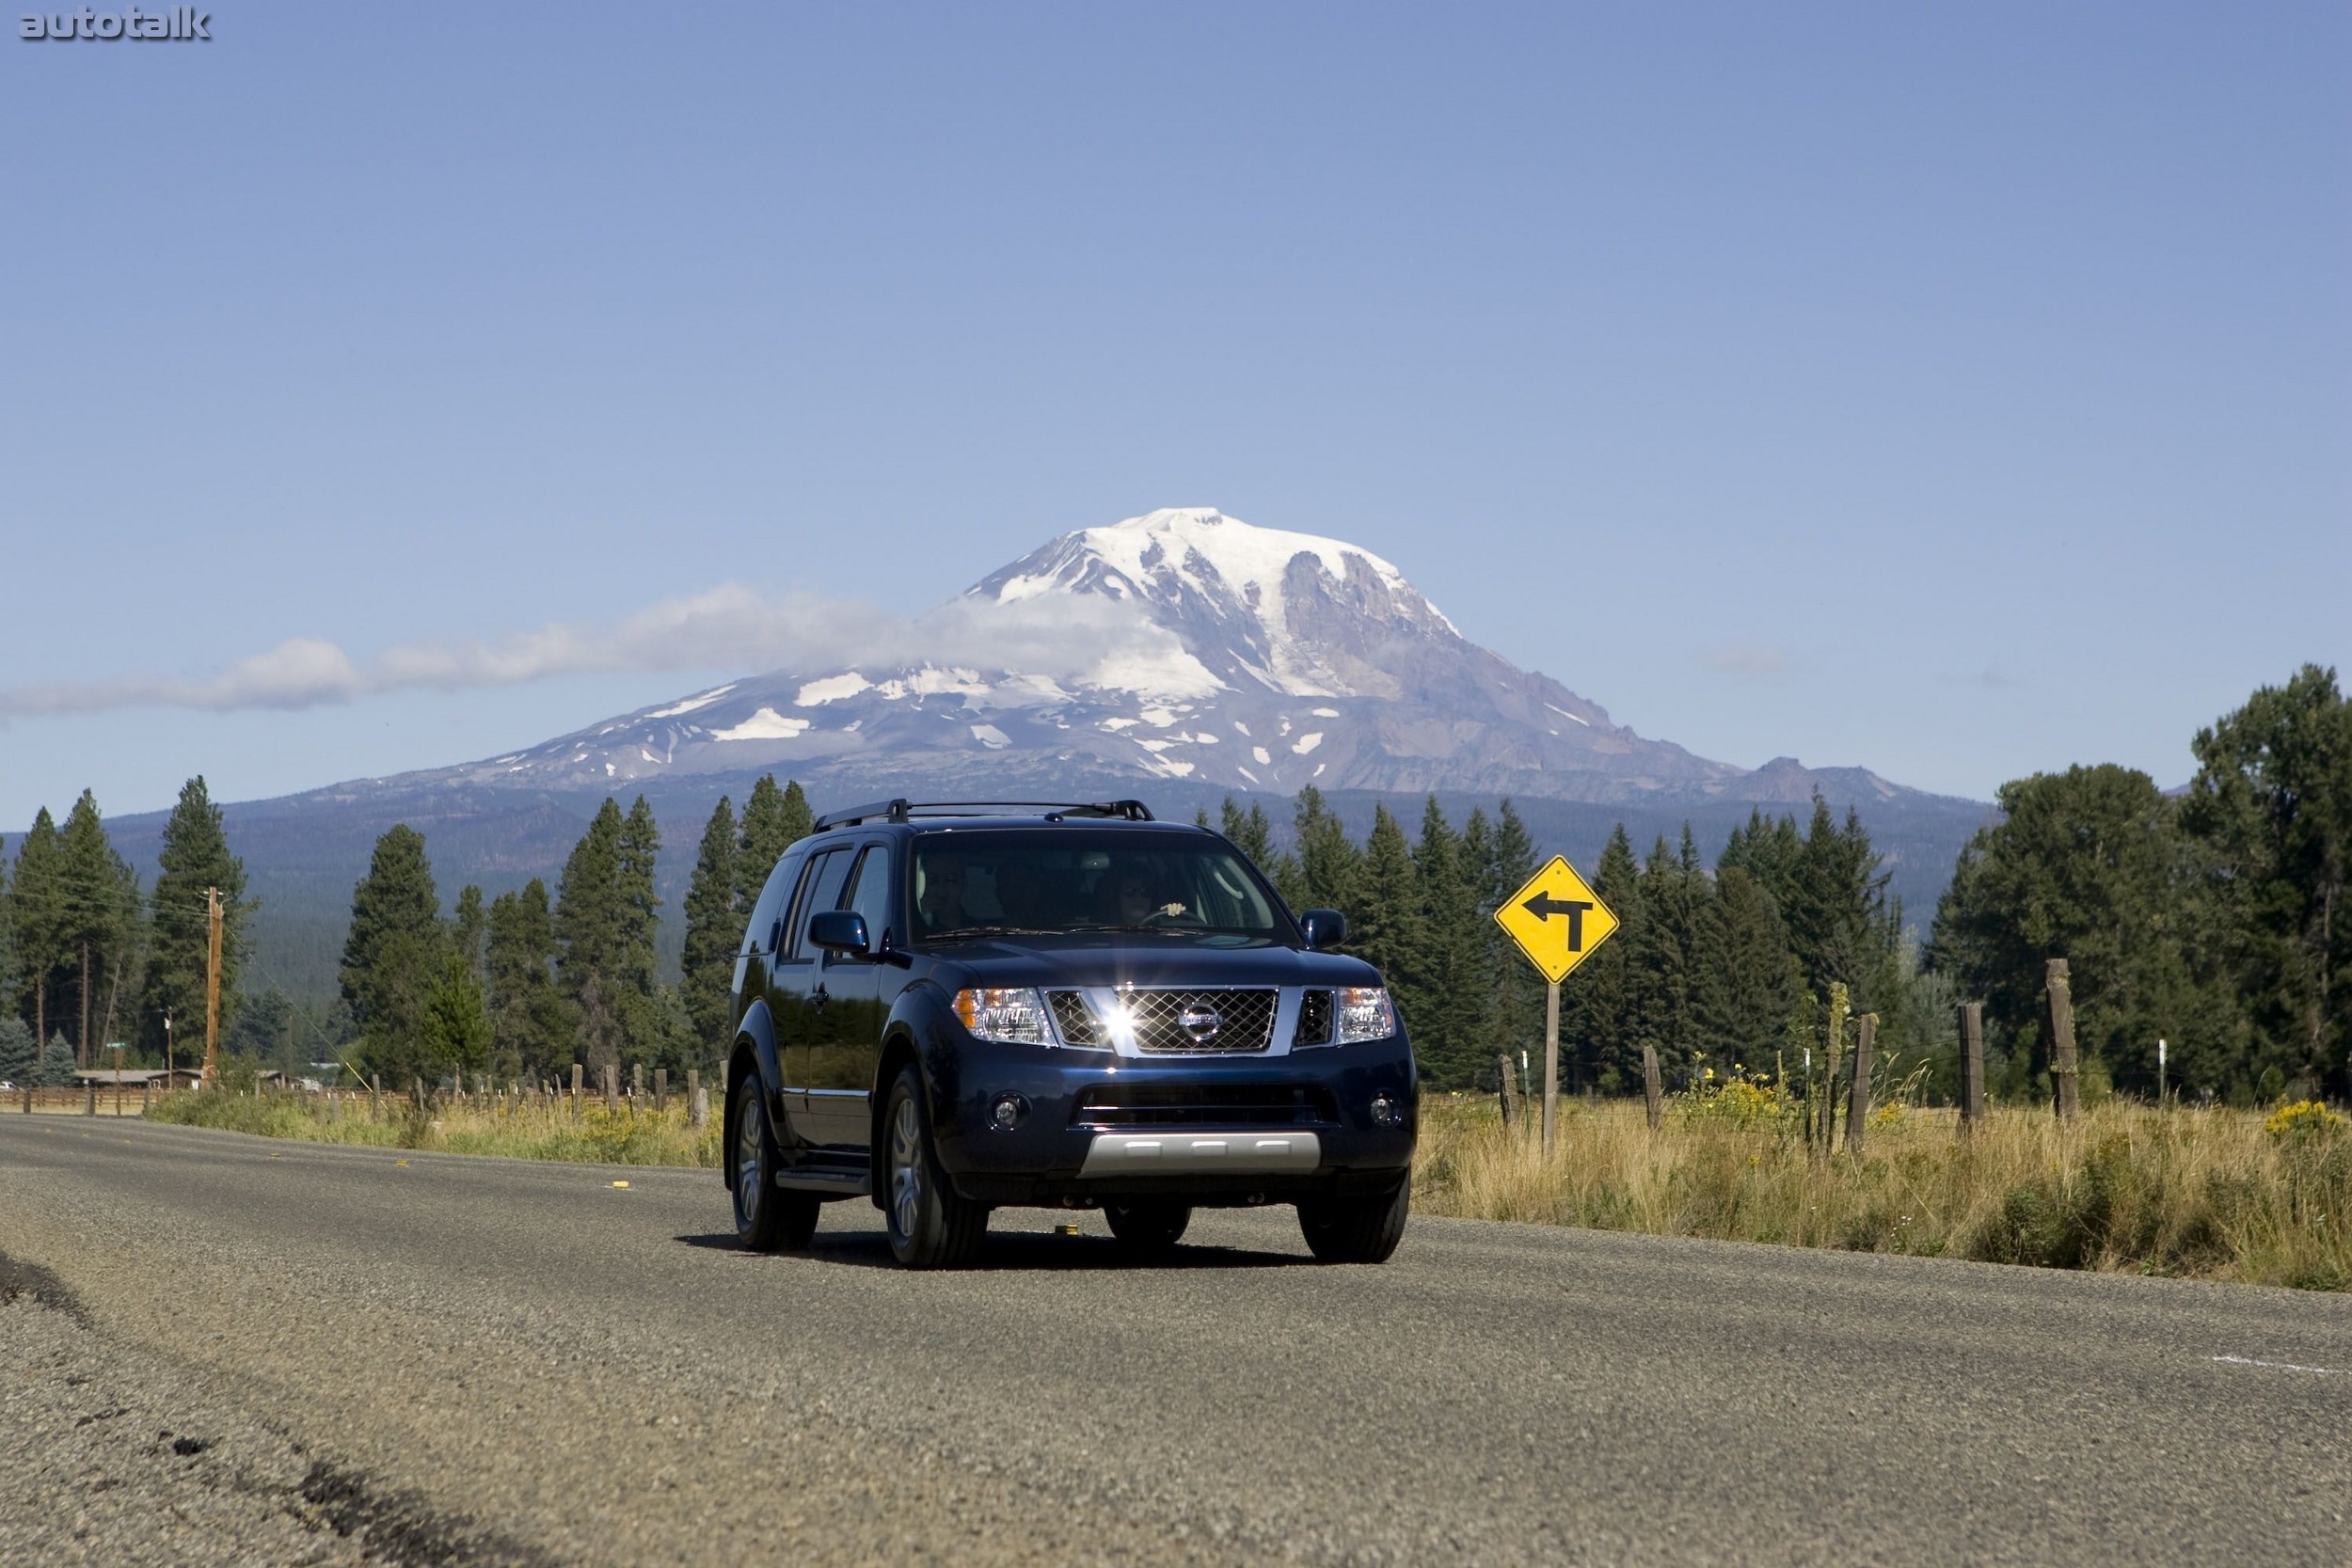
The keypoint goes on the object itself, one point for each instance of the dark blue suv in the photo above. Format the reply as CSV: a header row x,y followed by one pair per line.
x,y
953,1008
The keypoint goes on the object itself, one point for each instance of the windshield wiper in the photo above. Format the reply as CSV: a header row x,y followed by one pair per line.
x,y
959,933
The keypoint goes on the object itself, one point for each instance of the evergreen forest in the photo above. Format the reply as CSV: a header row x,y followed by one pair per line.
x,y
2214,919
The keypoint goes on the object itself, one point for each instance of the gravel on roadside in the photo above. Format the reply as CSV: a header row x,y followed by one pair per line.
x,y
112,1456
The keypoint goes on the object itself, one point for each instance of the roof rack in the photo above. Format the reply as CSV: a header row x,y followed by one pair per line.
x,y
902,809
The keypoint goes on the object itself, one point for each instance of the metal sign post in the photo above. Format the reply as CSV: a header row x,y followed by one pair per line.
x,y
1551,1059
1557,921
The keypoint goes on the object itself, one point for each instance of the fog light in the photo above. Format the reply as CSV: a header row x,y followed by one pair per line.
x,y
1006,1112
1386,1112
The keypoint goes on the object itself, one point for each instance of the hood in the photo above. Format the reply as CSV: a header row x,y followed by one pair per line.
x,y
1125,958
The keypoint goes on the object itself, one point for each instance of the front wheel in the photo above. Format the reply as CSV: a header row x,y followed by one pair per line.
x,y
1355,1229
931,1226
1147,1229
766,1218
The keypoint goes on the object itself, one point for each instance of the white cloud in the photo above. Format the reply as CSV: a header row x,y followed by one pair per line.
x,y
1745,660
730,626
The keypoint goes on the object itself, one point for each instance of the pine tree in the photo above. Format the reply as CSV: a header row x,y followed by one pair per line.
x,y
1251,832
393,954
531,1025
1448,981
640,846
100,900
1483,978
37,922
714,928
2271,808
773,821
468,931
1744,997
1661,960
12,974
591,934
1329,865
1520,985
1597,1036
1389,934
56,1064
194,856
19,1059
455,1026
2090,865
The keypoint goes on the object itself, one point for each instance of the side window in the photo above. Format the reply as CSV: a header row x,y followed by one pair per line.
x,y
820,889
764,928
869,896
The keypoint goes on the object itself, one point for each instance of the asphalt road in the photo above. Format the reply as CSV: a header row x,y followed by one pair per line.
x,y
470,1360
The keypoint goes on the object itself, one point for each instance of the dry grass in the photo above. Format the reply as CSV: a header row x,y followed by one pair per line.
x,y
525,1129
2203,1193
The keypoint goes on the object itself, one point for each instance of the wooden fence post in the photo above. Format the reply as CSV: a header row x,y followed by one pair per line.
x,y
1653,1087
612,1075
1971,1063
697,1106
636,1083
661,1089
1858,1103
1510,1090
90,1107
2064,1067
577,1072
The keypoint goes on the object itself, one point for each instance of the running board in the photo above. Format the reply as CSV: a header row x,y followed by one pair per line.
x,y
832,1183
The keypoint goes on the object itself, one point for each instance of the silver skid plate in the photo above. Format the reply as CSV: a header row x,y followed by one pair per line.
x,y
1192,1153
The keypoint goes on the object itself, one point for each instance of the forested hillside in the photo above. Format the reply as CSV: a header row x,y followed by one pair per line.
x,y
2215,920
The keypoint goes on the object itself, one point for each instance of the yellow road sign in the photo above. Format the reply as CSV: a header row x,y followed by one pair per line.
x,y
1556,920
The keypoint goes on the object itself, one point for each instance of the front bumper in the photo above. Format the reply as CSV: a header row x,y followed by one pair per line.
x,y
1095,1126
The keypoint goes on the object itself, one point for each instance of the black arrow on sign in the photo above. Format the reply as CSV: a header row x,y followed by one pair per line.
x,y
1544,906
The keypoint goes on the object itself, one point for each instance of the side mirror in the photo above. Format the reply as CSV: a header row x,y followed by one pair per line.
x,y
838,932
1324,927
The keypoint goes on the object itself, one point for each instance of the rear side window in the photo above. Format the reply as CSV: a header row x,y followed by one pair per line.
x,y
765,926
820,889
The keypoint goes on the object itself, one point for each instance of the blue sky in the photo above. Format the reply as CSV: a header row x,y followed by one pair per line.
x,y
1959,391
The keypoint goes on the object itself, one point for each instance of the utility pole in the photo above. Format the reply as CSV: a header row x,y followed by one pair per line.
x,y
212,981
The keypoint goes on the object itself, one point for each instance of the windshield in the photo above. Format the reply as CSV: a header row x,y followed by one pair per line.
x,y
1068,879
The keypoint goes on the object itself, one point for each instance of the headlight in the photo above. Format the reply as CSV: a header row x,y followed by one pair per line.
x,y
1362,1013
1014,1017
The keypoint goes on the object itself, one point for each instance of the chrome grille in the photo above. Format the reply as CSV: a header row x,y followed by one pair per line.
x,y
1073,1017
1315,1020
1223,1021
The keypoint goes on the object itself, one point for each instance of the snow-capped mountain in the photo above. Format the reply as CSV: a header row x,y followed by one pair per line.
x,y
1180,644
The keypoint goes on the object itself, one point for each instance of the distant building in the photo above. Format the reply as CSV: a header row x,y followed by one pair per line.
x,y
141,1077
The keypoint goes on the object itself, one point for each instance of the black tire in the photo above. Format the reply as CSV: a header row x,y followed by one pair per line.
x,y
1355,1229
931,1226
1148,1227
767,1219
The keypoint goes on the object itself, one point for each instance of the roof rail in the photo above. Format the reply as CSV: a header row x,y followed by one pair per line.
x,y
902,809
895,811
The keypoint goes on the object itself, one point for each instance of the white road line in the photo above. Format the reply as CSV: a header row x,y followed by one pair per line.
x,y
2281,1366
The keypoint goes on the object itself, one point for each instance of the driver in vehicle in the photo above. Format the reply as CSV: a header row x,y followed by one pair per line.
x,y
1141,900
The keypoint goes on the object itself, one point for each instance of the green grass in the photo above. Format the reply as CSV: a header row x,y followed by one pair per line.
x,y
520,1130
2198,1194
